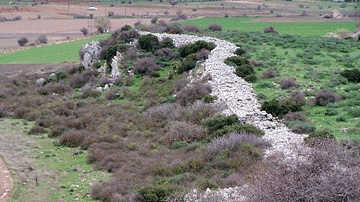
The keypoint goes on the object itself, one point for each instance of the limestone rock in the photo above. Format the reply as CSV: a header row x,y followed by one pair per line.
x,y
89,53
40,81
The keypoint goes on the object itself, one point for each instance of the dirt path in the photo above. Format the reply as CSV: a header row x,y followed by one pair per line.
x,y
6,182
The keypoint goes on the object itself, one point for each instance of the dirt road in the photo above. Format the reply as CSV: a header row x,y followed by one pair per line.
x,y
6,183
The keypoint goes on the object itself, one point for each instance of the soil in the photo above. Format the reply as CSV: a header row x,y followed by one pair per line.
x,y
6,183
58,21
25,69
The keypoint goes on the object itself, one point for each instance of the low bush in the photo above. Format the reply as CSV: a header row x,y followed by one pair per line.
x,y
187,64
156,193
277,108
89,92
195,47
298,98
220,121
270,30
192,28
237,60
352,75
268,73
354,112
145,66
233,141
239,128
300,127
129,35
56,131
167,43
73,138
288,83
323,134
314,178
240,51
42,40
294,116
325,97
37,130
111,94
84,31
215,27
189,94
149,42
22,41
331,112
183,131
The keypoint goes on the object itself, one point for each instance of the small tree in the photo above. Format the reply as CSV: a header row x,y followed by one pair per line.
x,y
42,39
154,20
22,41
102,24
85,31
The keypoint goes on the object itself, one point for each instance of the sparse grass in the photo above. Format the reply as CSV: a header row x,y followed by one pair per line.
x,y
48,54
62,172
293,28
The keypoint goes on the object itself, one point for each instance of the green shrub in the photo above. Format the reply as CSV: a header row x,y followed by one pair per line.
x,y
239,51
237,60
188,63
352,75
167,43
276,108
300,127
195,47
341,119
156,193
239,128
331,112
219,122
323,134
149,42
354,112
207,184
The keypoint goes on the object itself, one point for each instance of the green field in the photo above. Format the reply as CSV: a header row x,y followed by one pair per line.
x,y
48,54
293,28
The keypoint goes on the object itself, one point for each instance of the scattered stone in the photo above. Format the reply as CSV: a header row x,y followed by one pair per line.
x,y
40,81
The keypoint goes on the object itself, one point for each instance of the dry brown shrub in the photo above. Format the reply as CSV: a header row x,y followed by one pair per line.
x,y
195,91
268,73
325,97
326,172
183,131
288,83
298,98
37,130
73,138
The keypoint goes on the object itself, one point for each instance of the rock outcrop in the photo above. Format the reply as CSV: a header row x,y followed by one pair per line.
x,y
89,53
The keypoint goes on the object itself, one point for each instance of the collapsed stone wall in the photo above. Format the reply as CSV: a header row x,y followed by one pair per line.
x,y
239,98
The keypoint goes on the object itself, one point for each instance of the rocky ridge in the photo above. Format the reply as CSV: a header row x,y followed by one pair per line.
x,y
240,99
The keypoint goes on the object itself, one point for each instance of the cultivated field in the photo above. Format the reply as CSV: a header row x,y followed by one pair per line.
x,y
73,139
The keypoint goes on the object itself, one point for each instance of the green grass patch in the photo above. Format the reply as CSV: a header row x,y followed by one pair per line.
x,y
62,173
293,28
49,54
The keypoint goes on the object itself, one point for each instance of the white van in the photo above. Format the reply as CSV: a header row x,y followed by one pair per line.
x,y
92,8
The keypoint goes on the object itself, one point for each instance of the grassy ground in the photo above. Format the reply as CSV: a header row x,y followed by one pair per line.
x,y
48,54
293,28
62,172
314,68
